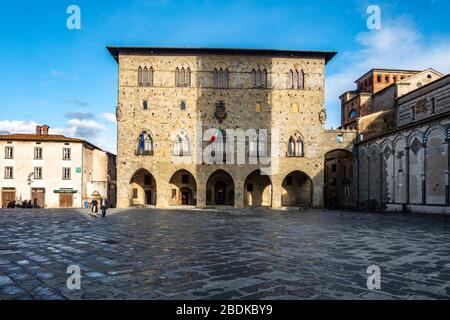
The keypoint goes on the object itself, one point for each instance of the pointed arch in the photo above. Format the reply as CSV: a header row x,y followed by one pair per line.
x,y
295,145
145,76
181,144
145,143
177,77
139,77
253,75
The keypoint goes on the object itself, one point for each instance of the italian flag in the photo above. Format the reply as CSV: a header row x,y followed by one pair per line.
x,y
216,135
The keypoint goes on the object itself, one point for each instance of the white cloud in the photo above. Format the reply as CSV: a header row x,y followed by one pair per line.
x,y
398,45
89,130
62,75
17,126
109,117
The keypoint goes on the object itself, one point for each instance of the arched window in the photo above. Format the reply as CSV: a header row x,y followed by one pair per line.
x,y
262,145
215,78
140,76
177,77
259,78
181,145
301,80
297,79
183,77
187,79
253,145
295,108
226,79
144,144
150,77
254,78
295,146
145,76
352,115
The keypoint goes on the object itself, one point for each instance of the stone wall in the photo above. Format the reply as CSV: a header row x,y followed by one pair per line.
x,y
290,111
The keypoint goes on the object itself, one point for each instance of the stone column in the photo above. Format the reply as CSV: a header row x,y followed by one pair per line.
x,y
447,180
163,192
276,193
407,175
239,193
424,175
201,193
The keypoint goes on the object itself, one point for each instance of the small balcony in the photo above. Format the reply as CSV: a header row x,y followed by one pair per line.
x,y
141,152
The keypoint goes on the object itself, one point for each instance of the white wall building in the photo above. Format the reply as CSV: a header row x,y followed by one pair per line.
x,y
54,171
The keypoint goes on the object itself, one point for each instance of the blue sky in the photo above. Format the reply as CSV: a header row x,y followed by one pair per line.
x,y
66,78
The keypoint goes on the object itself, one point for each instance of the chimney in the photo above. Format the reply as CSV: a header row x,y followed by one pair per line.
x,y
42,130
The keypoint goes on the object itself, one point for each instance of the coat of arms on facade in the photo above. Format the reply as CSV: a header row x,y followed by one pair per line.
x,y
421,106
323,116
221,113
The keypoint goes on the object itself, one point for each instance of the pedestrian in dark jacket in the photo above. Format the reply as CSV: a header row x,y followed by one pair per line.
x,y
104,206
94,208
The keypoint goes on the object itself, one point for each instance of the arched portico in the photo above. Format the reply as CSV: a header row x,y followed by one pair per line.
x,y
257,190
183,189
142,189
297,190
220,189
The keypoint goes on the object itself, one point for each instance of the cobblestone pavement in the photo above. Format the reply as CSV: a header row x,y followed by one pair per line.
x,y
240,254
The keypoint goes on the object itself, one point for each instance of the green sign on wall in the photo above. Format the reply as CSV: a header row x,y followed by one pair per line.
x,y
78,170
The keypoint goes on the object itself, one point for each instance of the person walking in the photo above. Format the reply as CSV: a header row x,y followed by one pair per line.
x,y
104,206
94,208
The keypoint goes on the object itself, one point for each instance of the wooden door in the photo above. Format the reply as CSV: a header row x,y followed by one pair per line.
x,y
38,198
65,200
7,196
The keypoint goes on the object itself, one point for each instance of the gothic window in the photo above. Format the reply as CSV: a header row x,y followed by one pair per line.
x,y
297,79
145,76
177,77
295,146
144,144
352,115
181,145
140,76
253,78
221,78
187,80
182,77
259,78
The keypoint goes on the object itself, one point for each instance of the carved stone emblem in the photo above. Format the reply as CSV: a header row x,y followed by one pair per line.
x,y
221,113
416,145
323,116
421,106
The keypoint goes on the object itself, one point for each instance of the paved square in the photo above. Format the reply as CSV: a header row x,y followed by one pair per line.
x,y
240,254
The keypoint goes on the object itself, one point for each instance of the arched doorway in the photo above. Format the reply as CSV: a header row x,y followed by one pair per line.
x,y
257,190
142,190
297,190
220,189
183,189
338,175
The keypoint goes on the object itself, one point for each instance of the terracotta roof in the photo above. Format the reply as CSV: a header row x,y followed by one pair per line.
x,y
37,137
114,51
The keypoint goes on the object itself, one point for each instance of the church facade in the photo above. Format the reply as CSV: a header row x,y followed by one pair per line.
x,y
223,127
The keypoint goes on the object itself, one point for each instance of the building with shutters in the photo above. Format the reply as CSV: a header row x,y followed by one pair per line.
x,y
54,171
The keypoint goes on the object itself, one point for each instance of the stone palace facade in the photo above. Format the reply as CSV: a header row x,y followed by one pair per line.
x,y
179,106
